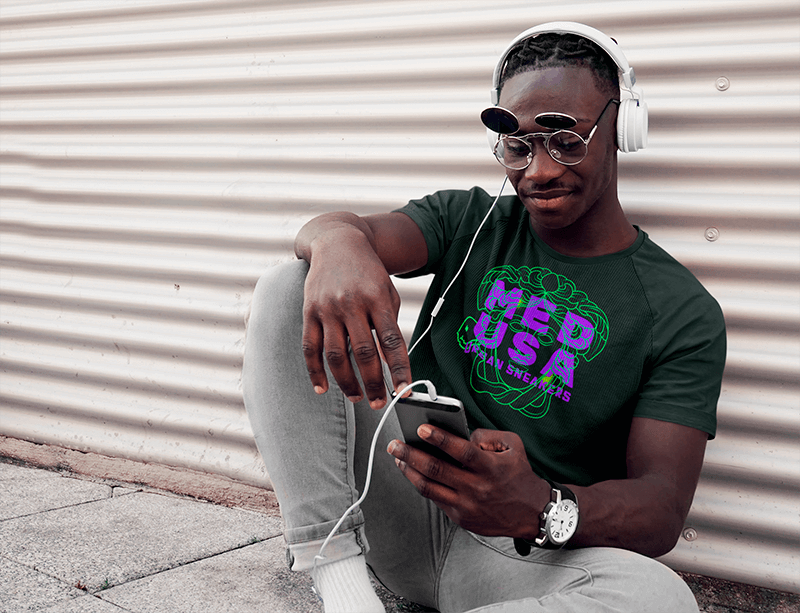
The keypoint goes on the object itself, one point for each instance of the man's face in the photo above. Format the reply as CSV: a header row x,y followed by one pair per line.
x,y
555,195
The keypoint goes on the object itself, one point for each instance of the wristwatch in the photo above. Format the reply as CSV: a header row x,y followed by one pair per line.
x,y
557,523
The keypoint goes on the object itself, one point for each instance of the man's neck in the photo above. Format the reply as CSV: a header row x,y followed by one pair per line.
x,y
591,236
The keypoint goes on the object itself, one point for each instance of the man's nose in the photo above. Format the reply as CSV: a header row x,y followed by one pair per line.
x,y
543,168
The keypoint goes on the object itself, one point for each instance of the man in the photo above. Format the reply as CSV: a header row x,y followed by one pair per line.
x,y
589,362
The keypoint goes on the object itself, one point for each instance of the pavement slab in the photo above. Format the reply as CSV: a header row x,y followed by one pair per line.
x,y
117,540
85,604
253,579
23,589
24,491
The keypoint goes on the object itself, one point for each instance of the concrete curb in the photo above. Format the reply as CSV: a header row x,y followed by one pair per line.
x,y
93,466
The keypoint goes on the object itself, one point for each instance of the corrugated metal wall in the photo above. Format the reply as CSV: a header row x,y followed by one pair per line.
x,y
158,155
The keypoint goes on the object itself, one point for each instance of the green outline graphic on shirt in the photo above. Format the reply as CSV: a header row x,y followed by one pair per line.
x,y
527,314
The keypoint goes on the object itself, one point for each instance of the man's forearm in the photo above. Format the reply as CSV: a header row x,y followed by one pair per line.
x,y
324,226
645,512
636,514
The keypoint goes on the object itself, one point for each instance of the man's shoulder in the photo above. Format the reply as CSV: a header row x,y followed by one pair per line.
x,y
657,260
669,284
452,217
460,210
459,200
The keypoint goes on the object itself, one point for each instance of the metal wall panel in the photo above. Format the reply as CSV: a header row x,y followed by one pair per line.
x,y
157,155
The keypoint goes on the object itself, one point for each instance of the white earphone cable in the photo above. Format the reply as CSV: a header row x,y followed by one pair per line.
x,y
440,302
368,480
429,385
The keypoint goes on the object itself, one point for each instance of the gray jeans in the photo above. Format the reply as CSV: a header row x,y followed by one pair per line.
x,y
316,450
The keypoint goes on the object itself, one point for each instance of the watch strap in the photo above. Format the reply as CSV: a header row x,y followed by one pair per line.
x,y
523,546
566,493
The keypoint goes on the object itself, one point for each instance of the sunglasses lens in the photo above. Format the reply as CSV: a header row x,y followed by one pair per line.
x,y
567,147
512,152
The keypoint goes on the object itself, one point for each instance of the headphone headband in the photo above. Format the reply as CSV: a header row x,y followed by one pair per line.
x,y
627,78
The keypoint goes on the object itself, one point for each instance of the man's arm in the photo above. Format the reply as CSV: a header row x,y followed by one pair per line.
x,y
348,294
646,511
497,493
394,237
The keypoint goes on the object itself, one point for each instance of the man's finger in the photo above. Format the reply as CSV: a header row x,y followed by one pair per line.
x,y
394,349
338,357
368,360
424,472
496,440
311,347
456,447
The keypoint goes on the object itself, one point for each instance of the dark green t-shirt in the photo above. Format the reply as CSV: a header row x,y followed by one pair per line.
x,y
563,351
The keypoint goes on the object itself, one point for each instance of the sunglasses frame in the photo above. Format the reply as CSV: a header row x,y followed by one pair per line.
x,y
547,136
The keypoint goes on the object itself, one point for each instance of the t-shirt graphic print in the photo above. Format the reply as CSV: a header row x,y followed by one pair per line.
x,y
533,331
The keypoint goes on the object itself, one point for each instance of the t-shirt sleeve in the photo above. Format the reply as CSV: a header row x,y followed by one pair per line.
x,y
441,216
684,377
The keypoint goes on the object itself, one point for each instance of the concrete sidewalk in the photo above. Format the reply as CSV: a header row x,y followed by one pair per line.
x,y
71,544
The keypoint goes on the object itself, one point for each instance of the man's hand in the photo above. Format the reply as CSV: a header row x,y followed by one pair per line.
x,y
348,294
494,492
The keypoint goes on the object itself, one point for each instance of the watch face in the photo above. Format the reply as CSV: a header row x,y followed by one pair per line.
x,y
562,521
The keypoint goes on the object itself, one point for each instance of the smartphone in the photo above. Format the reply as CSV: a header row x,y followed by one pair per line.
x,y
444,412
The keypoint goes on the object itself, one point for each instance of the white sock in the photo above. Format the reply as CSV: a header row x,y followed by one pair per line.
x,y
345,587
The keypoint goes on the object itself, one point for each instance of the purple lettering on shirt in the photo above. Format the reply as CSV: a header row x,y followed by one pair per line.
x,y
483,325
568,336
561,363
509,299
524,344
505,299
534,317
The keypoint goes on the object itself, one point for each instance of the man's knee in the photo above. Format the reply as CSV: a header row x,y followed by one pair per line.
x,y
279,291
654,587
275,321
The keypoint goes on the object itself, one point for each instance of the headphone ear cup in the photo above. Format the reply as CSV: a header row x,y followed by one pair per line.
x,y
632,125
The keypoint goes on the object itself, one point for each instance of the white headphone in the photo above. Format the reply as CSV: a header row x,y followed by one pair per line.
x,y
632,114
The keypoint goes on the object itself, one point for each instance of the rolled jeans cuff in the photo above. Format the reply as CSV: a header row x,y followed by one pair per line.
x,y
303,547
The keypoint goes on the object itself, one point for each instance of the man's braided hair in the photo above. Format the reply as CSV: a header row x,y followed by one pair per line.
x,y
552,49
